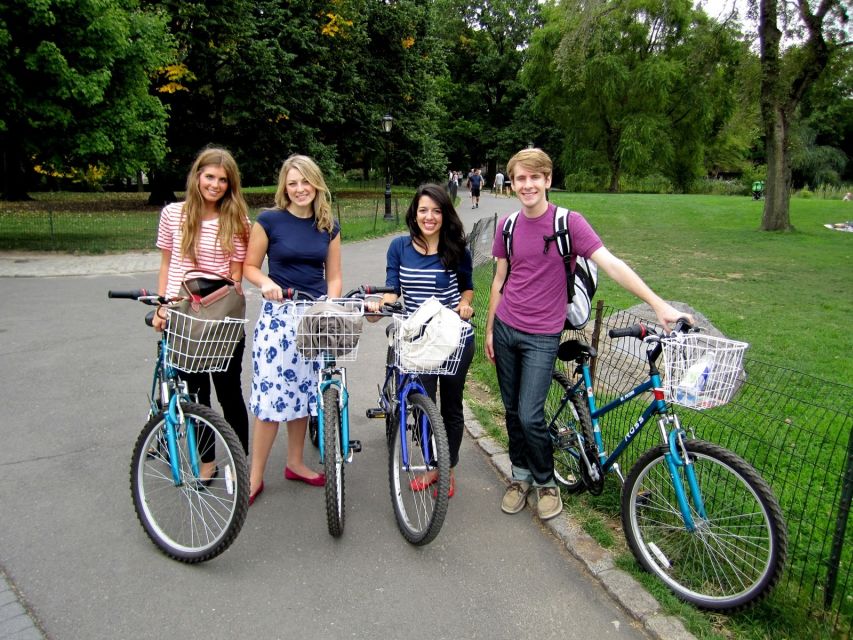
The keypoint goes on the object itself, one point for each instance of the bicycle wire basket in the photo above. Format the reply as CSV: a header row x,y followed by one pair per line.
x,y
428,352
329,328
701,371
197,345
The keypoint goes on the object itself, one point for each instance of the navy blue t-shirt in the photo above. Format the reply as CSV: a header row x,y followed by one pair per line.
x,y
418,277
296,253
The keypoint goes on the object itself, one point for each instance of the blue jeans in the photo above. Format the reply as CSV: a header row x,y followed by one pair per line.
x,y
524,362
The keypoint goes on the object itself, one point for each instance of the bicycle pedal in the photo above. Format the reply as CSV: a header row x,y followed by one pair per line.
x,y
355,445
375,413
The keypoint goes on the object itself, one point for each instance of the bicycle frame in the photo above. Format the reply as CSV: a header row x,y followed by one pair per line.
x,y
171,391
676,457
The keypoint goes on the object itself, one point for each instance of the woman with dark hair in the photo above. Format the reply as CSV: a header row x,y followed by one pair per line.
x,y
433,261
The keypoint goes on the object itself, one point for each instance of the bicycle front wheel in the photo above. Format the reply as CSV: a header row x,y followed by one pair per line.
x,y
735,554
419,509
195,520
333,461
567,419
390,393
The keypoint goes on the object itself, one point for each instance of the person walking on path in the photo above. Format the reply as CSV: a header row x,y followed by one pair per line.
x,y
525,320
476,183
433,261
208,232
302,244
498,186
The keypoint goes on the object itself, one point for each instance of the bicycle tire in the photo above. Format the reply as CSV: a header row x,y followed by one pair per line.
x,y
565,422
390,392
734,557
314,431
333,461
192,522
420,514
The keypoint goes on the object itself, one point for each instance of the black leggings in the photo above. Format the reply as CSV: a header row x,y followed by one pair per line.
x,y
229,393
451,400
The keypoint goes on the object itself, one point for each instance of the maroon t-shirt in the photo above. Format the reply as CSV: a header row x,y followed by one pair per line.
x,y
534,298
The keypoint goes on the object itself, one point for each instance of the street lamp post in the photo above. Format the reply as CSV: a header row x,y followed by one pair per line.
x,y
387,123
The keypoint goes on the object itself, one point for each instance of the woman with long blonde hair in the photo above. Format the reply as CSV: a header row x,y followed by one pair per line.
x,y
302,244
209,231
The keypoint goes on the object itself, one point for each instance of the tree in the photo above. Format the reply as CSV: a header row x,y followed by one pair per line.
x,y
635,86
785,79
74,83
486,42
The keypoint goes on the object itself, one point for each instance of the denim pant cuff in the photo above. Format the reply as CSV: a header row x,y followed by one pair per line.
x,y
521,474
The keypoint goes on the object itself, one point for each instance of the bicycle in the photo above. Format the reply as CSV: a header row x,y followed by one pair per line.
x,y
414,431
188,518
695,515
329,332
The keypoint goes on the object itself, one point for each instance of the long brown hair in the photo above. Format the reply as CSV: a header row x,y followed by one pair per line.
x,y
233,210
322,204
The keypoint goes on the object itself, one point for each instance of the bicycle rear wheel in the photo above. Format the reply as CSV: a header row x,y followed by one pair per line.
x,y
333,461
567,417
420,514
195,521
734,556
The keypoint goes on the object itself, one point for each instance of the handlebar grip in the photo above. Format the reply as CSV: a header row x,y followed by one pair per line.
x,y
638,331
295,294
682,325
133,294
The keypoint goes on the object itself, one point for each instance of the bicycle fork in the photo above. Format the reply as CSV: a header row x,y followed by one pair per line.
x,y
678,458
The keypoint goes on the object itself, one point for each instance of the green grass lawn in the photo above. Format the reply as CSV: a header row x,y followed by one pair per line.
x,y
112,222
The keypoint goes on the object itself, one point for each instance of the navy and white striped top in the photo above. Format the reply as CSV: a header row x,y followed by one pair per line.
x,y
417,277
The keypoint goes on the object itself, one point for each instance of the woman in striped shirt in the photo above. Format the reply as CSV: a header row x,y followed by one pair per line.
x,y
209,231
433,261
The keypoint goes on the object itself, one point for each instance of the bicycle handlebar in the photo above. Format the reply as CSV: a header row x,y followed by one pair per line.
x,y
642,331
146,296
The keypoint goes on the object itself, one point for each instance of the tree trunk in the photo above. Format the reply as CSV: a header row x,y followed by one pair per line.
x,y
777,187
773,100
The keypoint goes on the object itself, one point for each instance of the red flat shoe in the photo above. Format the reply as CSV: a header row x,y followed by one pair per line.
x,y
450,491
419,483
319,481
255,495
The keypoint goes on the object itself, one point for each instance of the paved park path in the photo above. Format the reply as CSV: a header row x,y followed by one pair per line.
x,y
74,562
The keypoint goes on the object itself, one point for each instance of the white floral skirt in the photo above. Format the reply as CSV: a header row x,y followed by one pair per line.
x,y
284,384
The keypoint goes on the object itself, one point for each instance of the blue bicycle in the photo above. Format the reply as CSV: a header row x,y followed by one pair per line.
x,y
696,515
414,431
189,517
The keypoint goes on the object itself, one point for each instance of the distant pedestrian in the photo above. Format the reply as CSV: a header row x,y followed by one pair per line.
x,y
499,183
476,183
847,197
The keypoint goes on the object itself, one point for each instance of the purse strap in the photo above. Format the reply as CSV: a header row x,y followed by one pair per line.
x,y
205,273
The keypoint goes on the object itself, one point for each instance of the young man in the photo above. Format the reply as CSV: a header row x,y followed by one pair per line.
x,y
526,318
475,182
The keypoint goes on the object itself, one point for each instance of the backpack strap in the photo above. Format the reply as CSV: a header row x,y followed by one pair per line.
x,y
508,228
563,239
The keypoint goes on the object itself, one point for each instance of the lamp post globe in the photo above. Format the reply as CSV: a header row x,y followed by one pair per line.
x,y
387,123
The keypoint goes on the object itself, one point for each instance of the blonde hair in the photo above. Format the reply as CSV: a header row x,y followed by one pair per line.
x,y
533,159
322,204
233,210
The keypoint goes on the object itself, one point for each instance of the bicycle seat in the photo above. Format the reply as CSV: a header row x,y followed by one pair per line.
x,y
574,350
